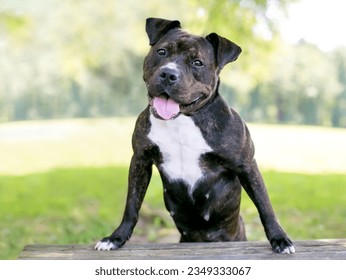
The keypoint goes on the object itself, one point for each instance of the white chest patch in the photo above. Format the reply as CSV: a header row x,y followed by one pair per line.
x,y
181,144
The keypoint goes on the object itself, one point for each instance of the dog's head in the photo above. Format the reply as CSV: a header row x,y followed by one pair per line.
x,y
181,70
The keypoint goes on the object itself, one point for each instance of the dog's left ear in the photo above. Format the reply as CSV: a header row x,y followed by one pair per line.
x,y
225,50
157,27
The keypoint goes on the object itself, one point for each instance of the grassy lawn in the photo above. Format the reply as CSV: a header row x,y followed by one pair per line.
x,y
81,205
61,206
65,182
307,206
36,146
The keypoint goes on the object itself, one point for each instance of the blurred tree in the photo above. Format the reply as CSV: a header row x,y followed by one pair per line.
x,y
84,59
249,23
14,31
299,87
15,26
252,24
339,104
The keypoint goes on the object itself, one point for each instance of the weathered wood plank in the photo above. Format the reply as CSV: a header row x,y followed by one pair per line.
x,y
253,250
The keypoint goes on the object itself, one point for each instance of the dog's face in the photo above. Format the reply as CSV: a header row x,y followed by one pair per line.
x,y
179,73
181,70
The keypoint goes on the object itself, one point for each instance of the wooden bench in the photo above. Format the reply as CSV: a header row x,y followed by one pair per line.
x,y
333,249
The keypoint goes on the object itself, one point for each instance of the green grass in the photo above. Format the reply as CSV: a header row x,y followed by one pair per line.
x,y
65,181
81,205
36,146
307,206
61,206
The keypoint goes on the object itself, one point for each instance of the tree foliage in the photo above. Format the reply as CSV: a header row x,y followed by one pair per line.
x,y
63,59
298,90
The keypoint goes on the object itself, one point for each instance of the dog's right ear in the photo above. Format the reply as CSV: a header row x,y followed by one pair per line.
x,y
157,27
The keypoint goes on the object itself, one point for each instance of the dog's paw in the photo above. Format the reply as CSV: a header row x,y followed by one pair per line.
x,y
106,244
282,245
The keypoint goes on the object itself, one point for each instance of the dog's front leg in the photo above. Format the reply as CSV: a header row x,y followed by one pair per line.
x,y
253,183
139,178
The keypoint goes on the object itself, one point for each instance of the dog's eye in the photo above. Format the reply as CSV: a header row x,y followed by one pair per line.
x,y
197,63
161,52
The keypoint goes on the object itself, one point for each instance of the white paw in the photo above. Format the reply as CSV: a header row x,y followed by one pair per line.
x,y
105,246
289,250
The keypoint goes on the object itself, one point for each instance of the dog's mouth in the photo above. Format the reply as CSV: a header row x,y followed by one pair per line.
x,y
165,108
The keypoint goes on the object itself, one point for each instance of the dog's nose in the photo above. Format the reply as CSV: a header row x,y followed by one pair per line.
x,y
169,76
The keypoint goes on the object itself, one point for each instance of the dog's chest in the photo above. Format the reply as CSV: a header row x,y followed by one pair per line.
x,y
181,144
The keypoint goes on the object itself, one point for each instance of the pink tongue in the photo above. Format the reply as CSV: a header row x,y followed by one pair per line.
x,y
166,108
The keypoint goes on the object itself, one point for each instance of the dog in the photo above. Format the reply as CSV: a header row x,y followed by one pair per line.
x,y
201,148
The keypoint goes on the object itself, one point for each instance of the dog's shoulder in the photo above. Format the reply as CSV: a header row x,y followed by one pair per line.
x,y
140,139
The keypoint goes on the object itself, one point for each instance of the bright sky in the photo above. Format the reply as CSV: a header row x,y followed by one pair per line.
x,y
322,22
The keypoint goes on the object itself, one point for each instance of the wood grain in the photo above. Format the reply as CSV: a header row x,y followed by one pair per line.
x,y
333,249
